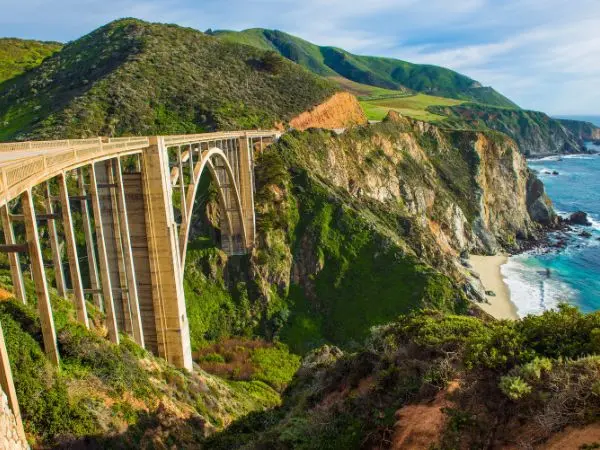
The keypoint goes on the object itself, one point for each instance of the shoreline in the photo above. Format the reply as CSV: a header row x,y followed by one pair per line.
x,y
489,269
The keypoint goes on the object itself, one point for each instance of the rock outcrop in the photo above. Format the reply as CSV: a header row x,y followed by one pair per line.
x,y
339,111
10,438
579,218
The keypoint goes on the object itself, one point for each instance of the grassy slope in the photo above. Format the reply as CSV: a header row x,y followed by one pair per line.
x,y
20,55
415,106
385,73
515,384
109,396
133,77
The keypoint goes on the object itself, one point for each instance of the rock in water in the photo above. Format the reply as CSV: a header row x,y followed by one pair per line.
x,y
579,218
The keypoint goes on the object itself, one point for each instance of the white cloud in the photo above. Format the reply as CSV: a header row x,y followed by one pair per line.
x,y
544,54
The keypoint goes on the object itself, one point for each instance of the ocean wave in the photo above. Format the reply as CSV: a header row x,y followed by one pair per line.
x,y
531,290
545,158
579,157
595,222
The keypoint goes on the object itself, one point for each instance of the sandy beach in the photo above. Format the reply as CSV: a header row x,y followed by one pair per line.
x,y
488,268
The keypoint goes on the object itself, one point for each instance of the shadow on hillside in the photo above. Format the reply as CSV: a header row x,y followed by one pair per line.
x,y
159,430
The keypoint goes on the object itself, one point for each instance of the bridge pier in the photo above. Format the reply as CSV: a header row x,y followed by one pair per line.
x,y
246,184
172,329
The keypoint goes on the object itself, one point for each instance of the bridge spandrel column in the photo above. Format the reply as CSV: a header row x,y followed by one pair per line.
x,y
89,241
59,272
39,278
72,251
136,215
132,291
172,329
109,308
106,190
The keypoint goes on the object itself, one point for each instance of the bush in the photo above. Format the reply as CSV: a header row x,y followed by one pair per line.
x,y
514,387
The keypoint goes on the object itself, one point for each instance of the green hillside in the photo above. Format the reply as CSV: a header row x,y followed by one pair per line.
x,y
19,55
535,132
133,77
415,106
385,73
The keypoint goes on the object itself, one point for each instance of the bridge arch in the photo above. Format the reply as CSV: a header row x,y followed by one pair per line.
x,y
233,227
134,246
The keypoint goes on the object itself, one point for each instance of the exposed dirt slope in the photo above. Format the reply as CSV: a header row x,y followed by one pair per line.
x,y
339,111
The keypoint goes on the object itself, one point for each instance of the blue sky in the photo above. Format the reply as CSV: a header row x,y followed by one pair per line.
x,y
543,54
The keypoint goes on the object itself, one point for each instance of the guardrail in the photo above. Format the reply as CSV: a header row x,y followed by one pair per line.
x,y
54,156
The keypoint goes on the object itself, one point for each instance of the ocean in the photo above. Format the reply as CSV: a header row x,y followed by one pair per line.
x,y
543,278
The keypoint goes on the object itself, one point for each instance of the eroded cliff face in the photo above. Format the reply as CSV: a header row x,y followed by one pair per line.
x,y
468,189
585,131
357,228
339,111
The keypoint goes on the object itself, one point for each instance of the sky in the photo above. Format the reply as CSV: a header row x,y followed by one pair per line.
x,y
542,54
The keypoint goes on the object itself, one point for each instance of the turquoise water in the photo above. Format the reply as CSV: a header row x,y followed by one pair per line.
x,y
574,272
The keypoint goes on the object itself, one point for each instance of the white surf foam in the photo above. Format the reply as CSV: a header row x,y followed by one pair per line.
x,y
531,290
545,158
579,157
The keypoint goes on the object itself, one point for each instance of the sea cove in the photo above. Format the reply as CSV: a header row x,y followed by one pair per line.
x,y
540,279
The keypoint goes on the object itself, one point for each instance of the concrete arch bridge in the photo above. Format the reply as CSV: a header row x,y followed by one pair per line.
x,y
132,198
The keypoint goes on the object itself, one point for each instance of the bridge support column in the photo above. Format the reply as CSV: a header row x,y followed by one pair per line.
x,y
172,330
113,243
72,251
39,278
109,308
132,292
89,241
133,186
59,273
13,257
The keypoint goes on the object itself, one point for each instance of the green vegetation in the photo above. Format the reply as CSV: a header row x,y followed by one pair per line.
x,y
387,73
102,388
415,106
19,55
586,131
355,266
247,360
534,131
135,78
512,379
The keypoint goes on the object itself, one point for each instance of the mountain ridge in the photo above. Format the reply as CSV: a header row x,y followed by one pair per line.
x,y
383,72
134,77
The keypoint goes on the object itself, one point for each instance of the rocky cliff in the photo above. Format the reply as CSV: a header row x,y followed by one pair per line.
x,y
585,131
535,133
359,227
